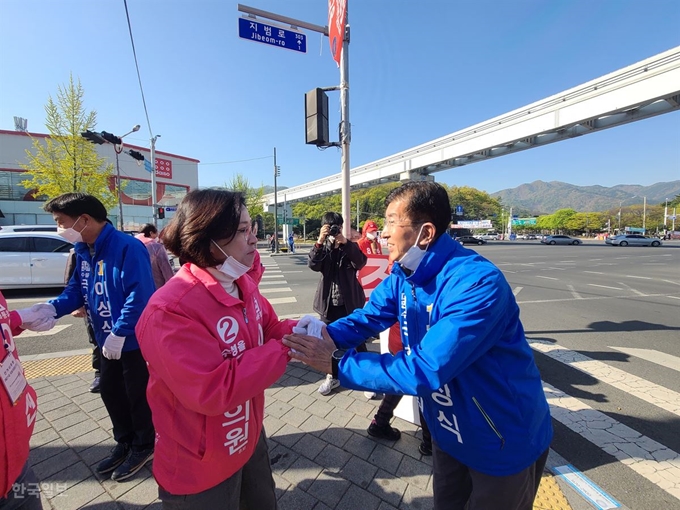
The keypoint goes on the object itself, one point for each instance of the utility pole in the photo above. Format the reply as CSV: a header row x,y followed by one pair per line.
x,y
154,198
120,201
276,207
644,216
345,129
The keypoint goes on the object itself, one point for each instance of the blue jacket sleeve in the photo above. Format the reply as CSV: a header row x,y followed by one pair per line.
x,y
470,320
138,286
377,315
71,298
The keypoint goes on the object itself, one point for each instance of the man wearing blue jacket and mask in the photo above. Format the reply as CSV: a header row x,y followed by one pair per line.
x,y
465,356
113,280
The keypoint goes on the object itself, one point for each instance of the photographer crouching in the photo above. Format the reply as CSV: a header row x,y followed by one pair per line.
x,y
339,291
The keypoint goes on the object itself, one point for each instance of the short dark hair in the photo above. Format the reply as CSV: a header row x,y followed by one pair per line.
x,y
331,218
425,201
76,204
148,229
202,216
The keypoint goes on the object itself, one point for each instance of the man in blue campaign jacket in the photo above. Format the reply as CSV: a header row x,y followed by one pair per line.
x,y
465,356
113,280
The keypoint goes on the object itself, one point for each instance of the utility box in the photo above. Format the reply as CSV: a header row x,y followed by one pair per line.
x,y
316,118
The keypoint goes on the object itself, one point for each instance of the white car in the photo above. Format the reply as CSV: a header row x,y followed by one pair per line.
x,y
487,237
32,259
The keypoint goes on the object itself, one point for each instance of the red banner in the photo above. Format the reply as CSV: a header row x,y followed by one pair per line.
x,y
375,271
337,18
164,168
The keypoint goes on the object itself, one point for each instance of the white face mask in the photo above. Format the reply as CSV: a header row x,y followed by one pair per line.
x,y
412,258
231,267
370,235
71,234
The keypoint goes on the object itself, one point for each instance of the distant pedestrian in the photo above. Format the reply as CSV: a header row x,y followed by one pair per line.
x,y
272,243
291,243
160,263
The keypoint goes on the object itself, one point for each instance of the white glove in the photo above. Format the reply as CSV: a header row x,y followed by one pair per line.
x,y
39,317
113,346
309,325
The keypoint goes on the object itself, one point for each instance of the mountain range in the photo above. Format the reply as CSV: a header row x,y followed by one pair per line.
x,y
541,197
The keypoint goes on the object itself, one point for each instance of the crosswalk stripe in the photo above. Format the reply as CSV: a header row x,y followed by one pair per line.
x,y
658,357
282,300
605,286
277,289
517,290
56,329
270,276
273,282
648,391
648,458
547,277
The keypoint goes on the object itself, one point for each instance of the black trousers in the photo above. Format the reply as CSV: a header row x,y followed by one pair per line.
x,y
456,485
385,414
250,488
123,390
96,352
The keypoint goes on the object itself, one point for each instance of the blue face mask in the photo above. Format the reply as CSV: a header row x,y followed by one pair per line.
x,y
231,267
414,256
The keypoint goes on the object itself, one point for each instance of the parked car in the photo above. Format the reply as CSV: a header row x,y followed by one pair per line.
x,y
32,259
27,228
559,239
635,240
470,240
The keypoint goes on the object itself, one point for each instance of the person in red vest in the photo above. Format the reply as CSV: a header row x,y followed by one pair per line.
x,y
369,242
19,487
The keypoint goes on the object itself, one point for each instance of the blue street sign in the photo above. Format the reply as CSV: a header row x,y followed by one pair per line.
x,y
147,165
257,31
459,210
171,209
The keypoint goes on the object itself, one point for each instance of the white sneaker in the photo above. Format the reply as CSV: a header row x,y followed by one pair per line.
x,y
328,385
370,395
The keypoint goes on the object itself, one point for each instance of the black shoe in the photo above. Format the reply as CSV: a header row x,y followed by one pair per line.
x,y
118,455
384,432
94,387
134,462
425,449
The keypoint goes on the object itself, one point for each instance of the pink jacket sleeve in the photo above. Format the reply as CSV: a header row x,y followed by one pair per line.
x,y
188,360
15,322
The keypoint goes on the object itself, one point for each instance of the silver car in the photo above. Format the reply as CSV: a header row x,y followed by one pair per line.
x,y
635,240
32,259
559,239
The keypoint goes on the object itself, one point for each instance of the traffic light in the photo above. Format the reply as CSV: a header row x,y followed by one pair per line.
x,y
316,118
111,138
161,213
136,155
93,137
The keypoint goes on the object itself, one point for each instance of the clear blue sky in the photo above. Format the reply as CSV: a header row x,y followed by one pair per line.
x,y
418,71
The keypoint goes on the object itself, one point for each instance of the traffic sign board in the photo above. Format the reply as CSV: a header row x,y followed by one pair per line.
x,y
266,33
459,210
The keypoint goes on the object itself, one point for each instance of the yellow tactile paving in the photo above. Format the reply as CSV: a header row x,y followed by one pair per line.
x,y
58,366
549,496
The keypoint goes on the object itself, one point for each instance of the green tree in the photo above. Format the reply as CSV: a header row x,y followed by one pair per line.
x,y
253,195
65,161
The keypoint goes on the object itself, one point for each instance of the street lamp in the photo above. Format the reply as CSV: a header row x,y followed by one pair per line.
x,y
116,141
620,204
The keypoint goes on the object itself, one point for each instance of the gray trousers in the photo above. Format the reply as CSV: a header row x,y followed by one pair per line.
x,y
457,487
250,488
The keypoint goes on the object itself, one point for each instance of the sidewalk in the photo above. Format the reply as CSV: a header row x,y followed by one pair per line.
x,y
321,455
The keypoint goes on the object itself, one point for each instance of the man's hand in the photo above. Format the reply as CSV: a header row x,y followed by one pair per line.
x,y
79,313
39,317
113,346
312,351
340,239
323,233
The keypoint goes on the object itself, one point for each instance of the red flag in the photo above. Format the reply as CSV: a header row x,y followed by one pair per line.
x,y
337,18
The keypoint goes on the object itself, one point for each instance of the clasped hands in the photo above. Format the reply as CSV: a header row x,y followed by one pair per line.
x,y
311,344
39,317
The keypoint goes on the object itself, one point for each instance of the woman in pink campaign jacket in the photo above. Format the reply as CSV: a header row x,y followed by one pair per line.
x,y
19,487
213,345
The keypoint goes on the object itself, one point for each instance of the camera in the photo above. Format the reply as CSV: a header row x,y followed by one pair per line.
x,y
334,231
